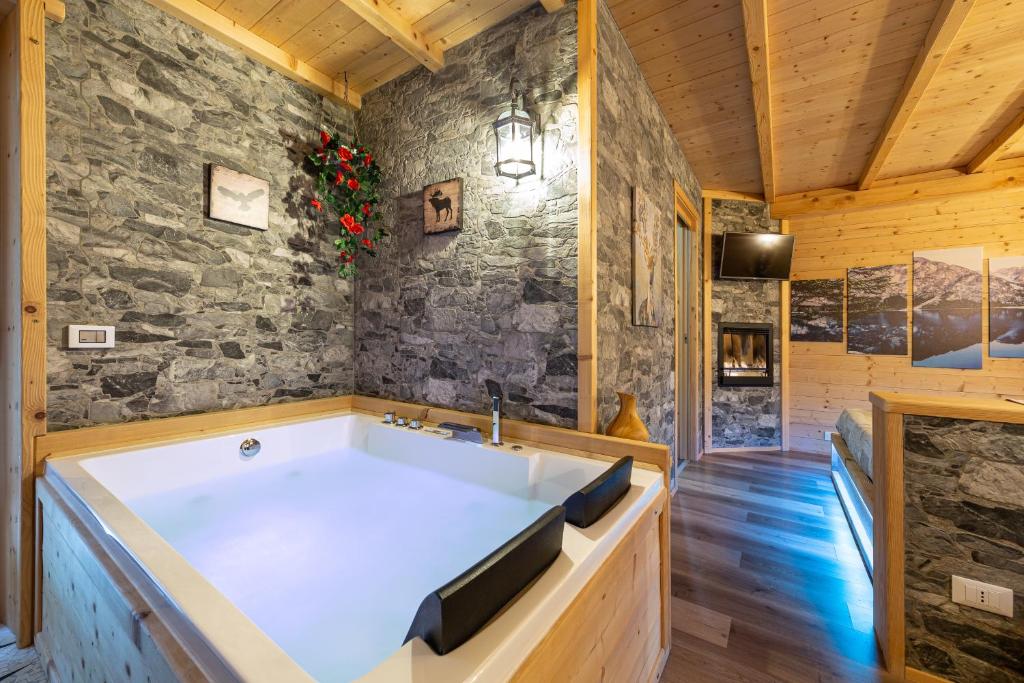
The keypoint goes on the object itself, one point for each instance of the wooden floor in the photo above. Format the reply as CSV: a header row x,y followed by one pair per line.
x,y
18,666
767,583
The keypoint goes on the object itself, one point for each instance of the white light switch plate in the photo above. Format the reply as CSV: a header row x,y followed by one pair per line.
x,y
984,596
90,336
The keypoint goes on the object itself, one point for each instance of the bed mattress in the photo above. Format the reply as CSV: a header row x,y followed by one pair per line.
x,y
854,425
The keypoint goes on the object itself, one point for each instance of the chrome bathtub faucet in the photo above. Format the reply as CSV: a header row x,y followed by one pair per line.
x,y
494,389
249,448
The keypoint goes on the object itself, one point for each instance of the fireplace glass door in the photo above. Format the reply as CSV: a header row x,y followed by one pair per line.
x,y
744,355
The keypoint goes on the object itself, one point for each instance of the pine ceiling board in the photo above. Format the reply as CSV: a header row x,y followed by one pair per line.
x,y
672,19
679,67
212,3
391,72
414,10
340,54
246,13
976,93
705,29
835,79
490,18
451,16
628,12
288,17
381,57
329,26
1016,151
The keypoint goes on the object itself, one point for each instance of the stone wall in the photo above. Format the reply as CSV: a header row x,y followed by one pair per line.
x,y
964,516
209,315
744,416
636,148
438,314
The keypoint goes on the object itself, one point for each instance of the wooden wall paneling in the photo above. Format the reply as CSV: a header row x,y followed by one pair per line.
x,y
755,25
823,378
948,20
706,280
587,234
784,344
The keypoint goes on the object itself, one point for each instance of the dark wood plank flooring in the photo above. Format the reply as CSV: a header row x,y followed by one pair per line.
x,y
767,584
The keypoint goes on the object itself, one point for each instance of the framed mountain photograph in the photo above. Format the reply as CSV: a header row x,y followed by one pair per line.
x,y
876,310
1006,307
816,310
947,308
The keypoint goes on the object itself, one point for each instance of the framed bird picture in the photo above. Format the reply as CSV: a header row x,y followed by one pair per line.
x,y
239,198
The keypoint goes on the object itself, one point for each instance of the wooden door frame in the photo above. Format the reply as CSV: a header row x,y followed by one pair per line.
x,y
686,213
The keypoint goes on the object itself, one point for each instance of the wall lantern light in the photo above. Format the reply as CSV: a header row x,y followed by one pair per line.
x,y
513,135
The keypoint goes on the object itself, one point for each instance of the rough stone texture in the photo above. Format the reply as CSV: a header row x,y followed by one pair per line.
x,y
209,315
636,148
964,515
744,416
438,314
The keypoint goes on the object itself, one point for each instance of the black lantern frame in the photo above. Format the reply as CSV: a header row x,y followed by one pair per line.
x,y
513,139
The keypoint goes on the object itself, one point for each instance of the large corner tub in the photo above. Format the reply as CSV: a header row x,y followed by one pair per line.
x,y
311,559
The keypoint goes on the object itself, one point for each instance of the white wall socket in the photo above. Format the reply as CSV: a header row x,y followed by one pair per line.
x,y
984,596
90,336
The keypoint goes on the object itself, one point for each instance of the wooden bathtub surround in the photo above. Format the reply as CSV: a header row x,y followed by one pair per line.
x,y
888,410
102,619
619,608
631,619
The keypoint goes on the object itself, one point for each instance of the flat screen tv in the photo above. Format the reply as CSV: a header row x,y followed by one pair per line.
x,y
756,256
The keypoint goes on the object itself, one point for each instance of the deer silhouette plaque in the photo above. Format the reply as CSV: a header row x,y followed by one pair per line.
x,y
442,206
239,198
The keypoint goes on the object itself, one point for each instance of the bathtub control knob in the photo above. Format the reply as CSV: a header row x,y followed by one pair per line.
x,y
401,422
249,448
389,418
415,424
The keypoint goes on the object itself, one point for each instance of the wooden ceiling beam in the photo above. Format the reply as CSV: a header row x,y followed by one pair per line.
x,y
55,10
998,146
1005,177
755,26
220,27
388,21
947,23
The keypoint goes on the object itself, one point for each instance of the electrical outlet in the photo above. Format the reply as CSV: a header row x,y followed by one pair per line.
x,y
983,596
828,436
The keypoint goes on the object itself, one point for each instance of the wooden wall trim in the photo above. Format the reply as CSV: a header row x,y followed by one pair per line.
x,y
998,146
263,51
708,341
784,347
179,428
846,199
889,618
985,409
948,20
755,26
691,309
586,175
28,215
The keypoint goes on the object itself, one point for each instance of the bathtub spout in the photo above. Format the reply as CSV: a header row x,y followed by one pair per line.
x,y
494,390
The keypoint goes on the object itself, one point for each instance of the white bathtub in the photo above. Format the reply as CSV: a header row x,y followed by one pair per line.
x,y
308,561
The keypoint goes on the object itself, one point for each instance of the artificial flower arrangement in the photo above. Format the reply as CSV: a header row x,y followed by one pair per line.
x,y
347,179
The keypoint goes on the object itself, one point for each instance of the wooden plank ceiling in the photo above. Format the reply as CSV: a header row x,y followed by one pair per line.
x,y
361,44
854,92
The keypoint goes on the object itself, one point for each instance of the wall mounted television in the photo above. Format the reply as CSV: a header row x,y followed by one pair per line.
x,y
756,256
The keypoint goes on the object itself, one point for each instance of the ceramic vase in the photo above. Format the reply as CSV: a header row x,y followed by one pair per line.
x,y
627,424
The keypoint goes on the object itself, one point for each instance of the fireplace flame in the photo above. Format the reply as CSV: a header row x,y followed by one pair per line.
x,y
744,350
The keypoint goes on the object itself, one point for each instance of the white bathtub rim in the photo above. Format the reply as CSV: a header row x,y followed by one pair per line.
x,y
494,653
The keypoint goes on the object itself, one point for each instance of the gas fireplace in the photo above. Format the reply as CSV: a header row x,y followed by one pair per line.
x,y
744,355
